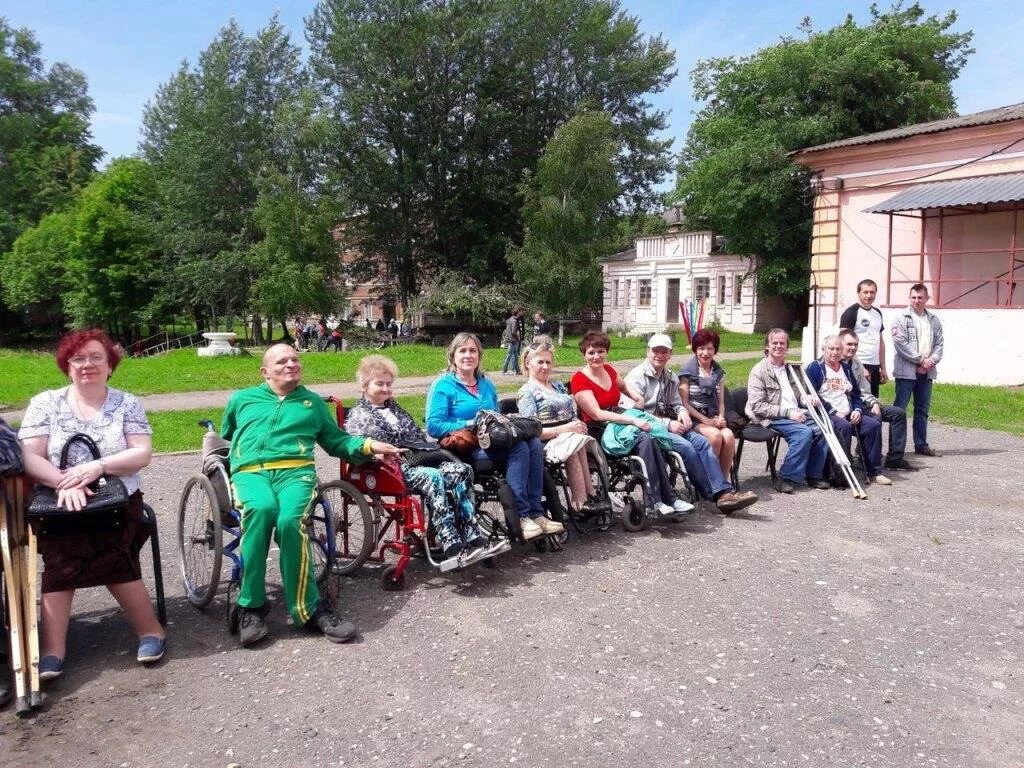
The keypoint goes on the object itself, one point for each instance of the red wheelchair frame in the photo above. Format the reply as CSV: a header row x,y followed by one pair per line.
x,y
399,521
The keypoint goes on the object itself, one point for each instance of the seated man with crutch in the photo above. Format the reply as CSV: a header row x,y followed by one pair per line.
x,y
832,379
895,417
774,400
273,429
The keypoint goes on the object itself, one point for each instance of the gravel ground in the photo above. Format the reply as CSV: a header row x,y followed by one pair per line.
x,y
811,630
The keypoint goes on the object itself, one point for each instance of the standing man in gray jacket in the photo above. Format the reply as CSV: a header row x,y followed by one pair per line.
x,y
917,338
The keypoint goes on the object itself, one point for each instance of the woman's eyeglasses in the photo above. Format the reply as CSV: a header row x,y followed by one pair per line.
x,y
80,360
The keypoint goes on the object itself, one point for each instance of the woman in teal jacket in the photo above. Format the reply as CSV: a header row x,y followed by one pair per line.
x,y
453,403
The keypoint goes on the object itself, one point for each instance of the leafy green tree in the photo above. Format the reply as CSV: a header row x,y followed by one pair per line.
x,y
45,150
211,133
569,215
99,259
441,107
735,175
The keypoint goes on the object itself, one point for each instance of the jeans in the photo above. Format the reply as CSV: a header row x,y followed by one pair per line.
x,y
511,358
896,418
870,430
701,463
874,373
658,487
524,473
806,453
921,389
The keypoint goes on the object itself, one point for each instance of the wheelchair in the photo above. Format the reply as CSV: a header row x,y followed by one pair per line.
x,y
628,474
596,515
399,525
209,528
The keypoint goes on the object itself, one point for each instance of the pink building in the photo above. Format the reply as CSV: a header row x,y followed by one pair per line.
x,y
940,203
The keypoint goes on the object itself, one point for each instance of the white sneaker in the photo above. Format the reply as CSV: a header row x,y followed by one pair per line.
x,y
682,506
664,509
548,525
530,529
881,480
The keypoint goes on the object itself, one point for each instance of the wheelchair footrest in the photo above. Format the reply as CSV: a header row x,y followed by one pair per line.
x,y
463,559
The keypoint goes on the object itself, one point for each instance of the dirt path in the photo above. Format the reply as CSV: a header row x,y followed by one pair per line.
x,y
813,630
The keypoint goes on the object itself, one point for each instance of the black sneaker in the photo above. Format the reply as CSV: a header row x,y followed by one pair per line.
x,y
818,483
453,549
900,464
334,629
477,542
251,626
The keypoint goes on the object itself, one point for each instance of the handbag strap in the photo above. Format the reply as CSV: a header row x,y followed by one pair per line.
x,y
78,437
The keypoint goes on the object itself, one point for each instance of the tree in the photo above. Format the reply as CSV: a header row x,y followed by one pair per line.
x,y
735,175
98,259
568,211
45,149
212,135
442,106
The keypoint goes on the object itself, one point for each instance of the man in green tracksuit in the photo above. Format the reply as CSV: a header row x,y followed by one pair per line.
x,y
273,429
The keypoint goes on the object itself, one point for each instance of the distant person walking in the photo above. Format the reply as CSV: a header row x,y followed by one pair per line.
x,y
514,338
917,337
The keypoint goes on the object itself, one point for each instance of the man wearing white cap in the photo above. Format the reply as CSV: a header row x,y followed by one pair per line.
x,y
660,388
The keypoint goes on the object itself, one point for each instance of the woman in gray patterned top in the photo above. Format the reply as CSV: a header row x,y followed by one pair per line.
x,y
702,390
109,556
564,436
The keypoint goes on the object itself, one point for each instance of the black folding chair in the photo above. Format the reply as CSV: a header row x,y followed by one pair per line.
x,y
753,433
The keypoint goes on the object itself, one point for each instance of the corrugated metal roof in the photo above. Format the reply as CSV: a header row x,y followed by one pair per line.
x,y
989,116
1004,188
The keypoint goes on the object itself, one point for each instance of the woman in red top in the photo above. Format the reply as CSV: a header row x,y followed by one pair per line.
x,y
597,388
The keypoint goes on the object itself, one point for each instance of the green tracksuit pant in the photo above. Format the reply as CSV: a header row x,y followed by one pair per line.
x,y
281,499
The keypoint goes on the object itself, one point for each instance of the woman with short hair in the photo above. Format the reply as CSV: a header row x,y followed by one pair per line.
x,y
597,387
93,557
702,390
378,416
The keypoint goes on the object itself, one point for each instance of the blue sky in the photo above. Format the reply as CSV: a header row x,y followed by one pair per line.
x,y
126,49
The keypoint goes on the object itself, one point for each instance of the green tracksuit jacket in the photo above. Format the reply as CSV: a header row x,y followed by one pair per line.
x,y
273,480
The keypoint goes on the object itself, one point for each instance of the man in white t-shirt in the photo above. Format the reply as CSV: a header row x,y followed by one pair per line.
x,y
866,321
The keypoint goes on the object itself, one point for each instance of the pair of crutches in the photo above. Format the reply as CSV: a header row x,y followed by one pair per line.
x,y
824,422
18,541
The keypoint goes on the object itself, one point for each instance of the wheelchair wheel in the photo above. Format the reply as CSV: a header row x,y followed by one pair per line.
x,y
390,580
351,522
633,516
200,540
319,537
679,479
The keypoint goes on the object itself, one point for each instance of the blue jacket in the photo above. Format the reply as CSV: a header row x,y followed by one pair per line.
x,y
451,406
816,374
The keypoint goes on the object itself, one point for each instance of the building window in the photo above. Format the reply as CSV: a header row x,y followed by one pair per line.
x,y
643,288
615,293
672,300
721,290
737,289
701,288
628,293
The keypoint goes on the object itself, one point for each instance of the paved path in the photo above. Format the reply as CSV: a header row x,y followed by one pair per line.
x,y
406,385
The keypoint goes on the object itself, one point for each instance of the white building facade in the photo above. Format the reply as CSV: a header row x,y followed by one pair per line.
x,y
644,286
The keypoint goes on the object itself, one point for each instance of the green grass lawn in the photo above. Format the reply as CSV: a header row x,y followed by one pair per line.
x,y
27,373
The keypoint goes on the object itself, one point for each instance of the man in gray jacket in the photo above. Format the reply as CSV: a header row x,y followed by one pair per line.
x,y
917,338
895,417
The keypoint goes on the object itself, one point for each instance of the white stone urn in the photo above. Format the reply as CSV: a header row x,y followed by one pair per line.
x,y
220,344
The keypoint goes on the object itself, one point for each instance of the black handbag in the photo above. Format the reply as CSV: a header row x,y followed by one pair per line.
x,y
106,507
10,451
496,430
